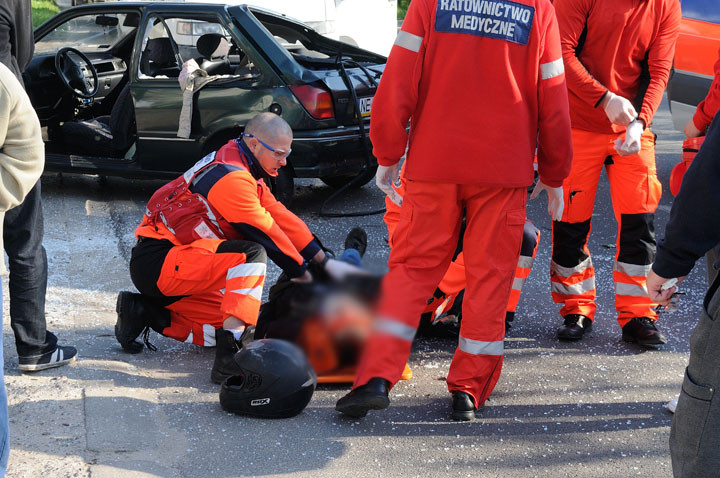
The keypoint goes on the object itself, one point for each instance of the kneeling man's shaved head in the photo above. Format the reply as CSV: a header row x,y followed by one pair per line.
x,y
268,125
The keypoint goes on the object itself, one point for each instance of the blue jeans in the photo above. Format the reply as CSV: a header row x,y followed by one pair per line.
x,y
351,256
4,422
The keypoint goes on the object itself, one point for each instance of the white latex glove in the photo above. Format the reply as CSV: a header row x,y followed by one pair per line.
x,y
619,110
385,177
556,203
633,135
339,270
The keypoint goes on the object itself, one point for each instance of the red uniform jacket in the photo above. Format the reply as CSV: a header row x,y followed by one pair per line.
x,y
708,107
625,46
482,84
245,202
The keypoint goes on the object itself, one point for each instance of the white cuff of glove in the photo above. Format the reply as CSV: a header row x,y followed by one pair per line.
x,y
619,110
633,139
339,270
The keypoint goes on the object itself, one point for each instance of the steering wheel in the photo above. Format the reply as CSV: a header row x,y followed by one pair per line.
x,y
75,75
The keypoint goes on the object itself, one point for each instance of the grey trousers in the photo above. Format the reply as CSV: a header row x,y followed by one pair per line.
x,y
695,433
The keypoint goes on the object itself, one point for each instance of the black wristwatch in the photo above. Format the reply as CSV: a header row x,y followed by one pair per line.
x,y
324,261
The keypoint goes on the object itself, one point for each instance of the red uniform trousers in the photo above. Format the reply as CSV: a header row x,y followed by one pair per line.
x,y
217,285
635,192
454,279
424,243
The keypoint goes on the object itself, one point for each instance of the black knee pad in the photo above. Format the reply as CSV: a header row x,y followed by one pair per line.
x,y
252,250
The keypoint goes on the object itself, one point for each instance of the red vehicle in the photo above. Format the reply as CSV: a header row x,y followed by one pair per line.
x,y
695,55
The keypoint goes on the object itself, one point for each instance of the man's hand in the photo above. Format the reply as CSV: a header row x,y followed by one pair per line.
x,y
633,137
691,131
306,277
339,270
385,177
657,292
556,203
618,109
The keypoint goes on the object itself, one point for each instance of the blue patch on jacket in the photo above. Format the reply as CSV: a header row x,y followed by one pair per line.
x,y
501,19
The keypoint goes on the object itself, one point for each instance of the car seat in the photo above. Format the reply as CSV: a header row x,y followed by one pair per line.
x,y
214,49
158,58
105,136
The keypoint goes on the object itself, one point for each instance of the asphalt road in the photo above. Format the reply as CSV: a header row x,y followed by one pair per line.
x,y
587,409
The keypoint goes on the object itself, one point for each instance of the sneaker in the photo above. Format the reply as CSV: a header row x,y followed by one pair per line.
x,y
643,331
62,355
574,327
357,239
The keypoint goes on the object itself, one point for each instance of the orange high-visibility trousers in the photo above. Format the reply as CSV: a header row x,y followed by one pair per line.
x,y
218,279
424,242
635,193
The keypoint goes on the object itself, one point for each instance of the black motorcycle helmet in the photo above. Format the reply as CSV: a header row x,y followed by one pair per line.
x,y
277,381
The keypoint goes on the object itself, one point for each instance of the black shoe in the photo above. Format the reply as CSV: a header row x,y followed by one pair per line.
x,y
463,406
371,396
356,239
62,355
643,331
136,316
574,327
225,349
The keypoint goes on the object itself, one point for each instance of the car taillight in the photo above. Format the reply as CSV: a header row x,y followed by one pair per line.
x,y
317,101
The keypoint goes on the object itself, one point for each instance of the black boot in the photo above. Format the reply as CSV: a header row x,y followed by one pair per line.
x,y
643,331
574,327
463,406
225,349
357,239
135,315
371,396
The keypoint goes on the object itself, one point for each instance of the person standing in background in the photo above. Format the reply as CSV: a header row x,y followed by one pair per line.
x,y
37,348
617,56
22,157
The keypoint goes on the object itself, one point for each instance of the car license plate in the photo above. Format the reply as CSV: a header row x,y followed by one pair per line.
x,y
365,106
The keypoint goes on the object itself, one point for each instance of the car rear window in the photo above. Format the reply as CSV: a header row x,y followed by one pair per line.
x,y
703,10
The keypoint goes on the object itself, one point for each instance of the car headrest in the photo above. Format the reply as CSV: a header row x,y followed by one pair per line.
x,y
160,51
213,45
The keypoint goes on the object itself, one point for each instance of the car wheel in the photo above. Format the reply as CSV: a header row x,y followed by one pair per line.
x,y
283,187
339,181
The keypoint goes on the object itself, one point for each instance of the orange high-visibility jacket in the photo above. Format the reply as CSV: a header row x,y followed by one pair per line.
x,y
246,203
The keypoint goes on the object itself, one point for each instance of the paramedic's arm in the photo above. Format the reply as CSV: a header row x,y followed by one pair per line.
x,y
571,18
660,58
397,93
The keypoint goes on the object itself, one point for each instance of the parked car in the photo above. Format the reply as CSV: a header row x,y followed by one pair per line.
x,y
695,54
104,82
